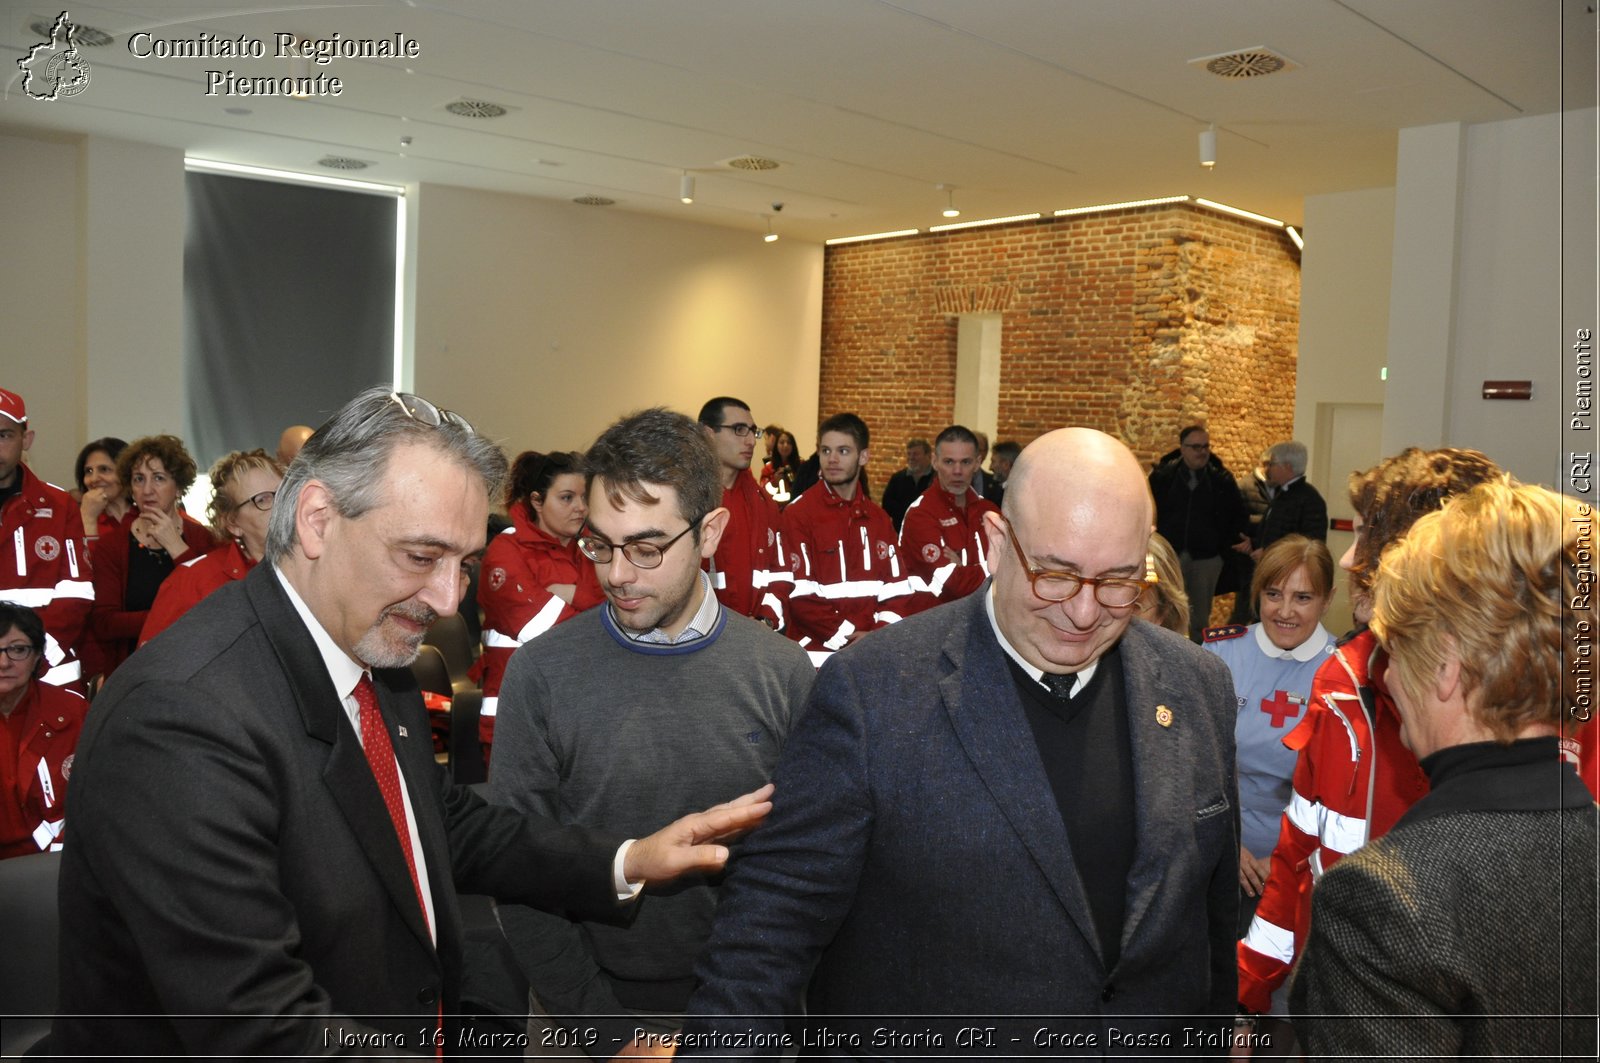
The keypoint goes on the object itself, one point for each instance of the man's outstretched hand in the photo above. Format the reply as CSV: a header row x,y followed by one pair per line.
x,y
689,844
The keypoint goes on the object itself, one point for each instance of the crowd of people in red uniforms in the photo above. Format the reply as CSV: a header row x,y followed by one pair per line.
x,y
85,579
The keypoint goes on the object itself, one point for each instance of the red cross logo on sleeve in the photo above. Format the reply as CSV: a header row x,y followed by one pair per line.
x,y
1281,706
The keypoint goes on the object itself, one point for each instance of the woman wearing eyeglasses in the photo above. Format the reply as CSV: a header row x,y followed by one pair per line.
x,y
39,726
243,485
533,577
154,538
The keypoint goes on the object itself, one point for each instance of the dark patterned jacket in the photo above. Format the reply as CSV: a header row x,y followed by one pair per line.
x,y
1467,930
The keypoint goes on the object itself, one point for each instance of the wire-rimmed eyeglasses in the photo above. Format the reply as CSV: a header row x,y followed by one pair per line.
x,y
640,554
422,411
1113,592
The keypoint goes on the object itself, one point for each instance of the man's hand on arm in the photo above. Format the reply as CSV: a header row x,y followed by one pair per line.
x,y
689,844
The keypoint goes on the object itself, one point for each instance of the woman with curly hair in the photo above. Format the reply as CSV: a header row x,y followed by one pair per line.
x,y
243,487
1354,776
533,577
152,539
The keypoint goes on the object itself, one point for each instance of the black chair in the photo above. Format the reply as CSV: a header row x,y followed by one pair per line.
x,y
29,925
450,636
431,672
466,752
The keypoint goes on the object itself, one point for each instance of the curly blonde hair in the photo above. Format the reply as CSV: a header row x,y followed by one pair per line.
x,y
1502,580
225,473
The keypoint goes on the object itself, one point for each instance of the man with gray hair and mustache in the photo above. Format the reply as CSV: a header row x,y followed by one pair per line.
x,y
264,855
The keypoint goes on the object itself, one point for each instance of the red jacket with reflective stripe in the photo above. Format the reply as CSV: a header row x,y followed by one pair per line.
x,y
745,571
847,575
518,565
43,566
1338,805
933,524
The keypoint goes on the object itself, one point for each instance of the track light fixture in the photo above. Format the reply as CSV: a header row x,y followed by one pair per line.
x,y
1208,147
686,187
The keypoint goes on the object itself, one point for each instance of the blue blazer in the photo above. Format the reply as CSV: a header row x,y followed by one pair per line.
x,y
916,863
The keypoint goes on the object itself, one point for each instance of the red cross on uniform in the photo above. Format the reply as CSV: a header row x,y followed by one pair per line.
x,y
1281,707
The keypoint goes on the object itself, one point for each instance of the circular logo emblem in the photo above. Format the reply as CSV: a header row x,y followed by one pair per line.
x,y
881,548
930,552
48,547
66,765
794,562
68,73
497,578
771,538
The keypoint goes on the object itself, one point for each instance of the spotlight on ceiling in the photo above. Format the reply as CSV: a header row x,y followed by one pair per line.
x,y
950,210
771,236
686,188
1208,147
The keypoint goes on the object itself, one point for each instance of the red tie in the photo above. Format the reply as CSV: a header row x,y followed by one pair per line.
x,y
380,757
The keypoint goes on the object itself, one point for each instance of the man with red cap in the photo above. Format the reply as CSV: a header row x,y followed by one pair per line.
x,y
42,560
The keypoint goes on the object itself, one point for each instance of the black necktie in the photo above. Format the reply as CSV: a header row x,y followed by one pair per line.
x,y
1061,685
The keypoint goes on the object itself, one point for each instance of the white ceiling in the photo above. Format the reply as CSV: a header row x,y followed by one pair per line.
x,y
1021,105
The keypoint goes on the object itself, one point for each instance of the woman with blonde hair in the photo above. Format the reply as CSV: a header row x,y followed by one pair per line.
x,y
1480,609
243,487
1164,602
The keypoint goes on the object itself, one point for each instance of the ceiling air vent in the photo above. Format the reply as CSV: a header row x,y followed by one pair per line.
x,y
595,201
752,162
475,109
339,162
1245,63
87,36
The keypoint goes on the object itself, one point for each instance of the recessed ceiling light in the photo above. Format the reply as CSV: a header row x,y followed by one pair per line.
x,y
340,162
595,201
475,109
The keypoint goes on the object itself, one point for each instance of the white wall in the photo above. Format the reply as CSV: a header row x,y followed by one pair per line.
x,y
41,297
1477,284
543,322
93,307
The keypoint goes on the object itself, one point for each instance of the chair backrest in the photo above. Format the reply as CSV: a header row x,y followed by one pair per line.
x,y
450,635
29,924
430,671
466,752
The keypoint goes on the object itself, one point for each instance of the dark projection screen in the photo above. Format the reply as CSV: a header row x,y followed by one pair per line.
x,y
288,306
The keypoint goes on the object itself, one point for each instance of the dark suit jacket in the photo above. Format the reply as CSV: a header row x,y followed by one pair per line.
x,y
232,856
1295,509
916,863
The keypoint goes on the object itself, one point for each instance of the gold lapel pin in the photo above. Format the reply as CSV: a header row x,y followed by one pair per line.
x,y
1163,716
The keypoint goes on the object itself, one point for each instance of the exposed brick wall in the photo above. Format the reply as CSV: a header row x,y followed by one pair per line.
x,y
1135,322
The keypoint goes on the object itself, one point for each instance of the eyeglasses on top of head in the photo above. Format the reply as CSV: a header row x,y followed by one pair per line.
x,y
739,428
640,554
1113,592
422,411
19,651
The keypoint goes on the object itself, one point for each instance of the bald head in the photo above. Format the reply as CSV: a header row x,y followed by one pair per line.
x,y
1077,501
1077,464
294,437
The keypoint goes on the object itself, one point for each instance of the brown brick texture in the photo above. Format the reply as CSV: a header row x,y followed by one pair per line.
x,y
1135,322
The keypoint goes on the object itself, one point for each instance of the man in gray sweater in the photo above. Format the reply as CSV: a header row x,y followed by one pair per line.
x,y
659,701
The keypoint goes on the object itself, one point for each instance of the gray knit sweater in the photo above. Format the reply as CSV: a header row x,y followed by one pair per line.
x,y
596,729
